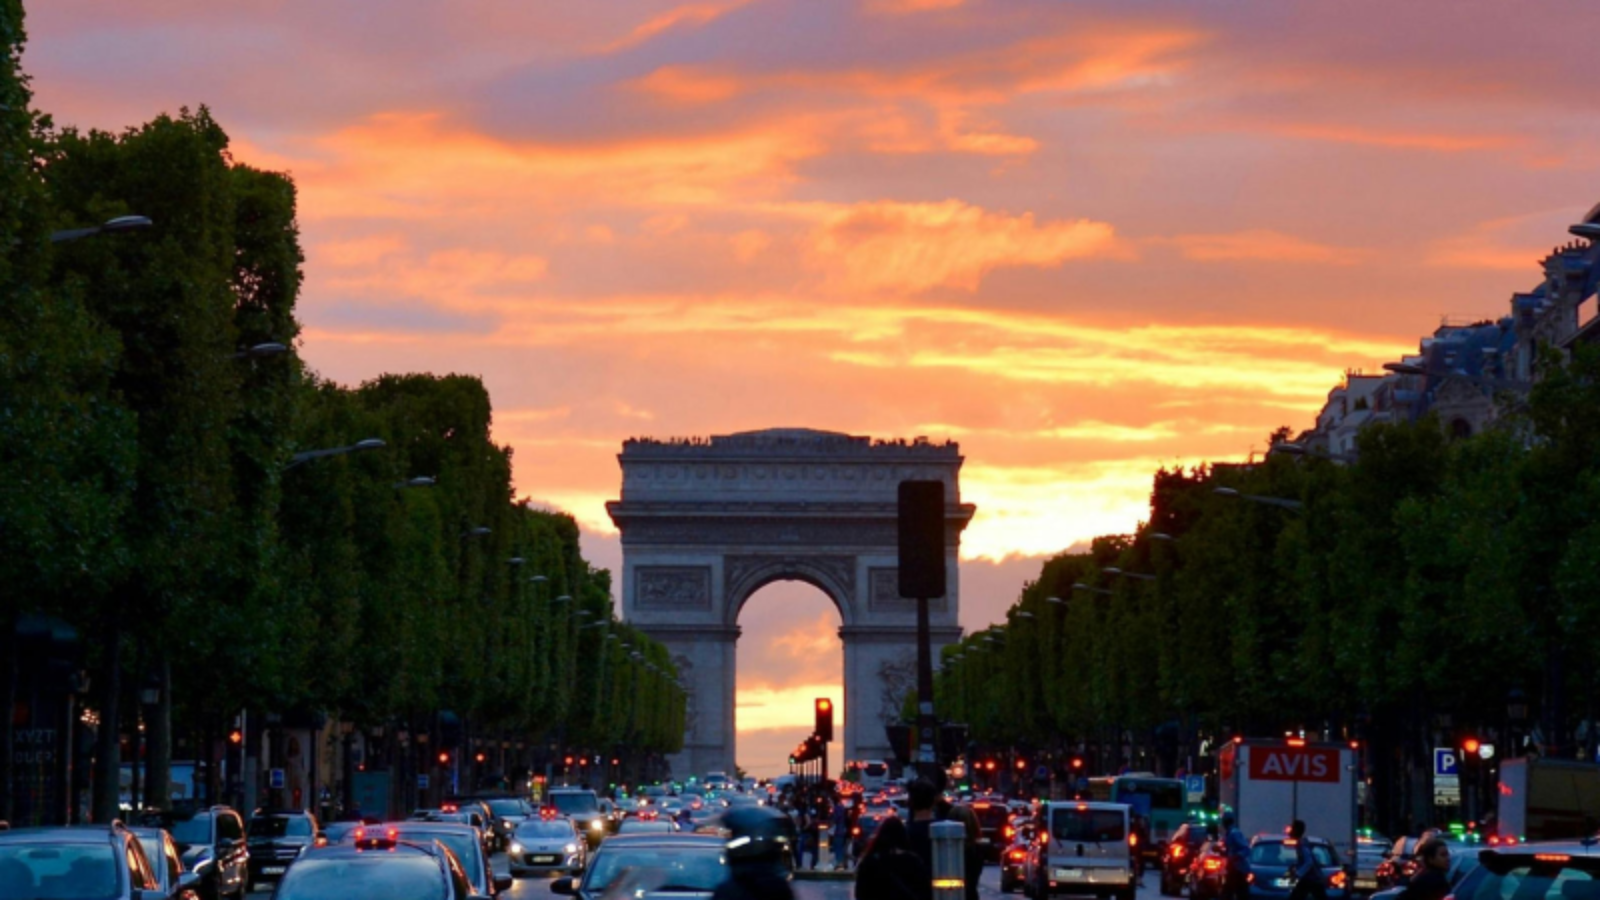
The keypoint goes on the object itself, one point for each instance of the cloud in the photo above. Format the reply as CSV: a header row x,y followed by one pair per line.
x,y
916,246
1263,245
686,15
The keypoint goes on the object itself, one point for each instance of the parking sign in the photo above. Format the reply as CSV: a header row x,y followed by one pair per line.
x,y
275,779
1445,761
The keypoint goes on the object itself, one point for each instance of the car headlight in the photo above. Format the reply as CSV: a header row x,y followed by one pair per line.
x,y
506,824
516,847
596,825
572,848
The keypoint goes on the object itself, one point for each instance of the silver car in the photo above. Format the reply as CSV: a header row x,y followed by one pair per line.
x,y
547,844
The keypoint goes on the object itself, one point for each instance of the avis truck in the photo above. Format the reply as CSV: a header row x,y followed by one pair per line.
x,y
1269,783
1548,799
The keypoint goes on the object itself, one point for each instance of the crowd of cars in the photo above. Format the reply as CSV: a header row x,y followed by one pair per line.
x,y
443,853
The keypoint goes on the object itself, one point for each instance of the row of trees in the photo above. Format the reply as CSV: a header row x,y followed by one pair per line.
x,y
1400,600
150,493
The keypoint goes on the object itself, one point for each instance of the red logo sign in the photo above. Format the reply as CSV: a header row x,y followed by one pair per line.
x,y
1294,764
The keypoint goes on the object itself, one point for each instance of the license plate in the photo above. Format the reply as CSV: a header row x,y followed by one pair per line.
x,y
1366,884
272,870
544,859
1283,883
1067,874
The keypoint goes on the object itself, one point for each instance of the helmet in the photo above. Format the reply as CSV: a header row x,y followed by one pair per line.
x,y
755,834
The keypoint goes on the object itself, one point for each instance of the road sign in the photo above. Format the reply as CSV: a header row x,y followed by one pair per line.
x,y
1195,787
1445,761
275,779
422,782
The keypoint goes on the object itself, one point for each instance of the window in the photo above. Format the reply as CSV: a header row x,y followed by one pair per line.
x,y
229,828
59,871
1073,825
280,826
195,831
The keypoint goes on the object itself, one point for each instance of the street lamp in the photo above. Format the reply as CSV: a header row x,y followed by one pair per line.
x,y
308,455
1056,600
1024,614
1080,586
538,579
421,481
1138,576
1280,502
110,226
262,351
480,531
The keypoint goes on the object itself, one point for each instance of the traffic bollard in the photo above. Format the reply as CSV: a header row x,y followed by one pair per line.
x,y
949,860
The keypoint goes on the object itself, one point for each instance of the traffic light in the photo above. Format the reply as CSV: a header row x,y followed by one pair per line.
x,y
236,737
1077,764
824,719
444,758
1470,747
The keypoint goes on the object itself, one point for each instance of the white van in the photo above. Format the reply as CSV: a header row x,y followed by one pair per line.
x,y
1082,848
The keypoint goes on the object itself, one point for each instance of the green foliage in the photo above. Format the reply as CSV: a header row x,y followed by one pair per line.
x,y
1429,578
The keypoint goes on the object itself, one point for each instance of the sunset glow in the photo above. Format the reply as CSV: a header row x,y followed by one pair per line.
x,y
1084,239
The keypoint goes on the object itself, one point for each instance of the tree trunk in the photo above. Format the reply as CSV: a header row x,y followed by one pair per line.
x,y
108,749
158,735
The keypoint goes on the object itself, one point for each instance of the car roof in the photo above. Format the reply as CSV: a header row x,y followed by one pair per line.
x,y
66,834
1574,847
624,841
1269,838
424,825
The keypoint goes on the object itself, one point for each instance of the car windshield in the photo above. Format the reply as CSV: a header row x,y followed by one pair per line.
x,y
545,828
58,871
1281,853
1513,878
366,877
637,826
876,769
1086,825
279,826
509,806
196,830
570,802
656,868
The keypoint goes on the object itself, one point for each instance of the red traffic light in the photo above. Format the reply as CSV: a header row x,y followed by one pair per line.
x,y
236,736
1471,745
1022,764
444,759
824,709
1077,762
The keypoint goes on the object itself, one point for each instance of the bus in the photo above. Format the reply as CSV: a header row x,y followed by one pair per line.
x,y
1160,800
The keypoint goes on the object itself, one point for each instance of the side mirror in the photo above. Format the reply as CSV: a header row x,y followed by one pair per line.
x,y
563,886
502,883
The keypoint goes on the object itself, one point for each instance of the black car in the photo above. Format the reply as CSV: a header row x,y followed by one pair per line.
x,y
377,869
1182,849
583,808
211,844
277,838
504,814
465,841
101,861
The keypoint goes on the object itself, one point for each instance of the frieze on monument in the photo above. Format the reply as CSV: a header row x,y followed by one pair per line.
x,y
673,587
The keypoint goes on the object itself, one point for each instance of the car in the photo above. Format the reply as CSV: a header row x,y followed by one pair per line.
x,y
1272,860
1084,849
1014,859
1543,870
375,868
1209,871
464,815
211,844
277,837
866,826
1464,859
1180,853
1371,850
549,843
500,812
992,816
1398,863
637,825
680,866
162,854
583,808
342,832
465,841
105,862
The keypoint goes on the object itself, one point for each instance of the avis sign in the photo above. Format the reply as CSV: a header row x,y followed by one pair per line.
x,y
1294,764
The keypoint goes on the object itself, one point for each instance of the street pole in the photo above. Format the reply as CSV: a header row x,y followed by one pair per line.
x,y
926,726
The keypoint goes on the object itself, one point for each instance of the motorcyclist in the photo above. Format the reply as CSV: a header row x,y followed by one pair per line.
x,y
757,843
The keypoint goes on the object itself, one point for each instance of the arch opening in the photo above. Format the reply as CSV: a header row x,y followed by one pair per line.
x,y
790,654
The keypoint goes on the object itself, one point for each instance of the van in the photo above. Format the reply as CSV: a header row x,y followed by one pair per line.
x,y
1083,847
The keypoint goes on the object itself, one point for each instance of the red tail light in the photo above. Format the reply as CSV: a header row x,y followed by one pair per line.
x,y
1133,839
1338,880
1017,855
1211,865
1251,878
1177,851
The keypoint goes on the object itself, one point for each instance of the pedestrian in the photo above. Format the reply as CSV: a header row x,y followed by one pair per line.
x,y
1236,881
889,870
1432,881
1308,878
922,796
839,835
1140,826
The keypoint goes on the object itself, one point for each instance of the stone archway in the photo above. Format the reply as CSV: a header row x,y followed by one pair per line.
x,y
708,522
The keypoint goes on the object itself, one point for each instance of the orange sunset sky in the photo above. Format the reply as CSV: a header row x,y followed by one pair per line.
x,y
1085,239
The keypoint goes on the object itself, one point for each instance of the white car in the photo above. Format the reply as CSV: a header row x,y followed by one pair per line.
x,y
547,844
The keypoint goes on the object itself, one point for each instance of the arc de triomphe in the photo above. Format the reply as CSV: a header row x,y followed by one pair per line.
x,y
707,522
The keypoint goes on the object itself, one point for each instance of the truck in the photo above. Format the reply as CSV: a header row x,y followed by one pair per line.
x,y
1548,799
1268,783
